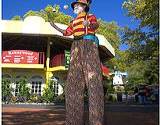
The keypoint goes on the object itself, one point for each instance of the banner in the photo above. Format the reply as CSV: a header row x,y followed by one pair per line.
x,y
67,59
20,57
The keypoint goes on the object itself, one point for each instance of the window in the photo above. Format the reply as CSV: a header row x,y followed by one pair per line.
x,y
17,90
55,88
55,85
36,83
36,87
18,78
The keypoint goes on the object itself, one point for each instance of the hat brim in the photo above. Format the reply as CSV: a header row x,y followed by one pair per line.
x,y
72,5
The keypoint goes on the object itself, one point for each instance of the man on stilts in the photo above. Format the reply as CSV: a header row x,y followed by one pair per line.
x,y
85,68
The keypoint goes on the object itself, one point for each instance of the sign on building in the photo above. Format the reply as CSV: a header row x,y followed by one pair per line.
x,y
20,57
67,58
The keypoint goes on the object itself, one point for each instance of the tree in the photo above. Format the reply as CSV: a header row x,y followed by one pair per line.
x,y
143,40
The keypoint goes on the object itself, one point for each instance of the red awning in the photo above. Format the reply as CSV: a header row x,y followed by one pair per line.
x,y
105,70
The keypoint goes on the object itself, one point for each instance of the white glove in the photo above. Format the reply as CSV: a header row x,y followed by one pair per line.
x,y
86,23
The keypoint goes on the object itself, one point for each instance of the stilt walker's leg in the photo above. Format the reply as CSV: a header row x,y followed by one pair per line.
x,y
74,89
93,75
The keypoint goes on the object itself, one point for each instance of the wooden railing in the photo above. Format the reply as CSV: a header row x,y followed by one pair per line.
x,y
57,60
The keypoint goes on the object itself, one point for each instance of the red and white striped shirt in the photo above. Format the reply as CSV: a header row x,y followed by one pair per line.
x,y
76,27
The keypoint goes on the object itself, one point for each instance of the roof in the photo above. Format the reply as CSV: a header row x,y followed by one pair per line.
x,y
35,25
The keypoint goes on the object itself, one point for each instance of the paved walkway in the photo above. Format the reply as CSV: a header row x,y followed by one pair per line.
x,y
55,115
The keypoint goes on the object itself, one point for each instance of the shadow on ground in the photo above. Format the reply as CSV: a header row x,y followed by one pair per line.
x,y
56,116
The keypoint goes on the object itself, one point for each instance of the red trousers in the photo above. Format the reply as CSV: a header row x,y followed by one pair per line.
x,y
84,70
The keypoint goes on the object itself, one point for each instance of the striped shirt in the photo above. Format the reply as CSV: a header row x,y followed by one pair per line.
x,y
76,27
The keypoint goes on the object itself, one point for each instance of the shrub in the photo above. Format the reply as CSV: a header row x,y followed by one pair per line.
x,y
24,91
60,98
6,90
48,93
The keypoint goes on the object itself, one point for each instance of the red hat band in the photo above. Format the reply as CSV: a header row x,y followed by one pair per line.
x,y
83,1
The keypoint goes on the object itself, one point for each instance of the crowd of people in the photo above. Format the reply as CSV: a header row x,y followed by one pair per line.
x,y
147,94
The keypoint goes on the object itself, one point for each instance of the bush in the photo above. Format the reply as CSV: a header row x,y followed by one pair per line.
x,y
14,99
48,93
24,91
60,98
6,90
112,98
34,98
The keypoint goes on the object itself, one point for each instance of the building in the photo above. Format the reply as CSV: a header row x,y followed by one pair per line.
x,y
35,50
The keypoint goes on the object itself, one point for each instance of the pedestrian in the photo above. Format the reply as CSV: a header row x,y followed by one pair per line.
x,y
136,94
85,68
156,94
146,90
142,97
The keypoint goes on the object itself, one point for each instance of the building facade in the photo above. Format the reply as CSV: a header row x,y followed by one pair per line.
x,y
34,50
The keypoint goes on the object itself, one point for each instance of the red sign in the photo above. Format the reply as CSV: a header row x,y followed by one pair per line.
x,y
20,57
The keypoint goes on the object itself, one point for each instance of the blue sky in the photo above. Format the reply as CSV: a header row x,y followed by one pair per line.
x,y
108,10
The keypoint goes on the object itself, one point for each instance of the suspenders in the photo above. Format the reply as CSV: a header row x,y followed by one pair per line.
x,y
86,28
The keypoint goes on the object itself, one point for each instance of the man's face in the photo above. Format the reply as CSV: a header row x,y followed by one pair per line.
x,y
78,8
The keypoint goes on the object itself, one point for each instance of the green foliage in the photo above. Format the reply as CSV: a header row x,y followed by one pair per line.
x,y
34,98
119,89
48,93
111,97
16,18
49,12
60,98
142,41
48,15
136,73
6,90
31,13
110,31
24,90
108,86
146,11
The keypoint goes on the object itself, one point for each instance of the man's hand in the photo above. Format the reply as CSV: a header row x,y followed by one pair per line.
x,y
86,23
94,26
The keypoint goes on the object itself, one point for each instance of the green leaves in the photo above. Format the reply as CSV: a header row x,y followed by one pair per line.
x,y
31,13
142,41
144,10
110,31
6,90
24,90
50,13
48,93
17,18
